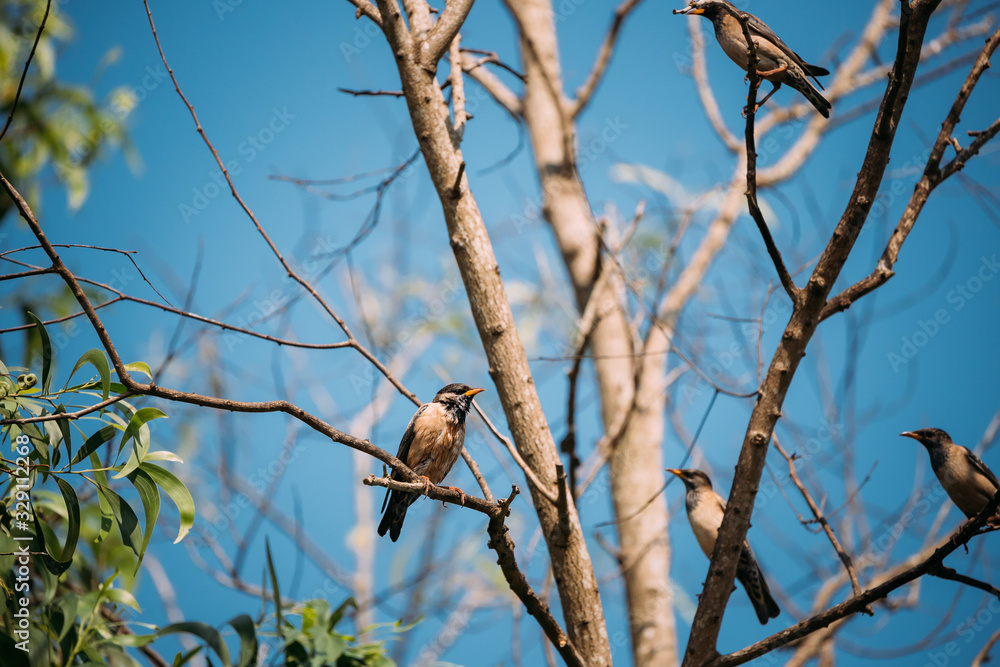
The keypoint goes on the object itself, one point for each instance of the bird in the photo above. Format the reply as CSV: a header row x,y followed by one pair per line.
x,y
966,479
776,62
704,509
430,446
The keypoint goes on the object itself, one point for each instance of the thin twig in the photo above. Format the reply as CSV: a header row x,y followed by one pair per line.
x,y
24,73
818,514
528,472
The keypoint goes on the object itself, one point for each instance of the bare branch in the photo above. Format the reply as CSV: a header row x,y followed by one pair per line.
x,y
754,208
858,603
306,285
799,331
458,92
932,177
514,454
366,8
371,93
443,32
984,654
501,543
586,91
818,514
499,91
70,415
24,72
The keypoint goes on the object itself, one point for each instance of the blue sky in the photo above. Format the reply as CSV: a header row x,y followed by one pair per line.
x,y
264,81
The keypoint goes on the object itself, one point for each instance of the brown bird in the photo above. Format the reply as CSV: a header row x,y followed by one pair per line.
x,y
430,446
775,61
705,508
969,483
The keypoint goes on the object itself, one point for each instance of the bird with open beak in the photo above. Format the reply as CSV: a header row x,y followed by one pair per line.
x,y
966,479
705,508
775,61
430,446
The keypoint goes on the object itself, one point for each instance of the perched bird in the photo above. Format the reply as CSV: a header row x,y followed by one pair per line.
x,y
775,61
704,509
967,480
430,446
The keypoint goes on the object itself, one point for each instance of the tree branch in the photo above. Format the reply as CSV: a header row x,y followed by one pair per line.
x,y
932,177
501,543
24,72
751,193
800,329
858,603
821,519
586,91
443,32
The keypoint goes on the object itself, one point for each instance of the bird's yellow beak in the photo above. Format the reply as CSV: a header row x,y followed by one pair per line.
x,y
675,471
910,434
689,10
473,392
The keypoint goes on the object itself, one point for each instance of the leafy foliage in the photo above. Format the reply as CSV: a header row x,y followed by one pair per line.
x,y
57,125
85,511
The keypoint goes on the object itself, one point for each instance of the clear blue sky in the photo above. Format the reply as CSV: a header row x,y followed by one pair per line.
x,y
264,82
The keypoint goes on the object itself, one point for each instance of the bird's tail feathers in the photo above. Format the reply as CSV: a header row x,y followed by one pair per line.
x,y
802,85
749,574
392,518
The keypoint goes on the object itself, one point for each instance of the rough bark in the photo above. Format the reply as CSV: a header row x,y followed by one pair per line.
x,y
643,540
508,365
800,329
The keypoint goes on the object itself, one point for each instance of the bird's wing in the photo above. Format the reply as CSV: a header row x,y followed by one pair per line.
x,y
411,429
978,464
759,28
404,449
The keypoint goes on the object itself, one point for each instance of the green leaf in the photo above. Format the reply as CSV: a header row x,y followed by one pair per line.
x,y
163,455
274,584
7,548
96,359
204,632
177,492
139,367
10,655
182,659
46,351
42,542
134,641
107,516
339,612
133,431
72,519
93,442
128,522
66,434
121,596
67,604
244,627
150,497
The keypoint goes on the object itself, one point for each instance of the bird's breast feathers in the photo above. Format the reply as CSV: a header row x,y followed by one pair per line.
x,y
437,442
706,517
735,46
